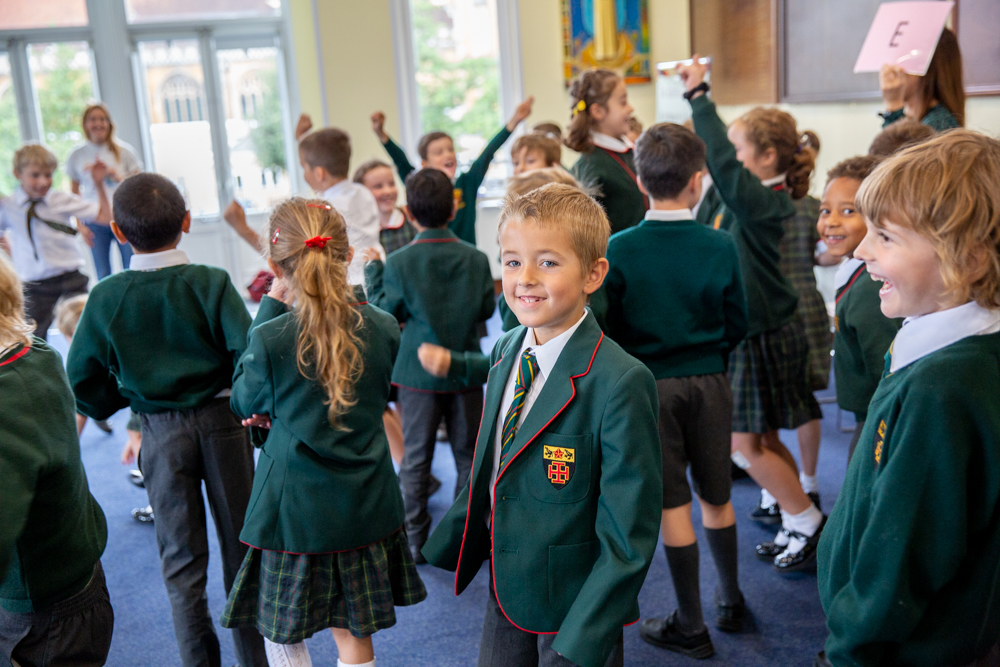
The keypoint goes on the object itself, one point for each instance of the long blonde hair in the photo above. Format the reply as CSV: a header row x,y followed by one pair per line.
x,y
309,243
14,326
112,145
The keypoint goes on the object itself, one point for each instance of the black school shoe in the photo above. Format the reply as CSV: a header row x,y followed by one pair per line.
x,y
769,516
663,633
143,514
729,617
768,550
803,559
814,497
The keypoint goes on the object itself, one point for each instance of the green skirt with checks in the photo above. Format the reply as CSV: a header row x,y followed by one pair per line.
x,y
290,597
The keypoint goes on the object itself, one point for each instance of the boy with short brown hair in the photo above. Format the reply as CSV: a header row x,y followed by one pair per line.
x,y
566,468
535,151
909,559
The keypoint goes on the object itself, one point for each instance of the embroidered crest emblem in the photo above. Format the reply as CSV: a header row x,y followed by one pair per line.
x,y
879,442
718,222
457,194
560,464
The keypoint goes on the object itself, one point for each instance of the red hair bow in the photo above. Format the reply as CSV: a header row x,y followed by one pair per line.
x,y
318,242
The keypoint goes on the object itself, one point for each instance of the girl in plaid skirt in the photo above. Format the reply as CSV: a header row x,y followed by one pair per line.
x,y
758,166
324,523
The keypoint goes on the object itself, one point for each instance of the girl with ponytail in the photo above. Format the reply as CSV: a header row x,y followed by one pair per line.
x,y
599,122
324,523
759,166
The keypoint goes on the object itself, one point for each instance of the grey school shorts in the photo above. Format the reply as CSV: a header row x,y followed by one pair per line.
x,y
695,425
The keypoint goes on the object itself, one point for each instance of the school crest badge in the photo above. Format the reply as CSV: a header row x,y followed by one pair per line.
x,y
560,464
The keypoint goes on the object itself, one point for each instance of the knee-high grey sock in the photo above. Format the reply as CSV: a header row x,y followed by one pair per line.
x,y
722,544
683,562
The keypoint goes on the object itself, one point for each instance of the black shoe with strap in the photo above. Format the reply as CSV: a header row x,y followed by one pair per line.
x,y
814,497
768,550
804,558
769,516
664,633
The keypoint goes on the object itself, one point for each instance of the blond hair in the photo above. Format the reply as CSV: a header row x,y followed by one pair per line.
x,y
524,183
14,326
945,189
29,154
99,106
566,207
328,343
68,312
765,128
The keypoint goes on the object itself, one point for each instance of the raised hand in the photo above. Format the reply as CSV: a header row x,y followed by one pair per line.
x,y
378,126
303,126
694,74
892,80
522,111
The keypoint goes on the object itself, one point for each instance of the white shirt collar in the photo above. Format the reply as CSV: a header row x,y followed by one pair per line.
x,y
21,197
158,260
616,144
845,271
396,220
777,180
548,354
921,336
670,216
339,189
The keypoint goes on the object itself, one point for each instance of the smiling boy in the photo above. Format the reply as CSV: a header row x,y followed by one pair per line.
x,y
909,561
565,484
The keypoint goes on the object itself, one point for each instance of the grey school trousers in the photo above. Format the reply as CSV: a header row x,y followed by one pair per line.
x,y
180,450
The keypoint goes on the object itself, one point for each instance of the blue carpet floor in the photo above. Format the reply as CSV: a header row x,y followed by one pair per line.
x,y
787,625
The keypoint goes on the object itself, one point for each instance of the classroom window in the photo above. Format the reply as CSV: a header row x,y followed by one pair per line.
x,y
10,132
63,76
457,57
145,11
255,126
179,130
27,14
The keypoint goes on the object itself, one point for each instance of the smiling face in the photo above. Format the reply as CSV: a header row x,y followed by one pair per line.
x,y
908,267
382,184
36,179
528,159
840,225
97,125
612,118
544,283
441,156
760,164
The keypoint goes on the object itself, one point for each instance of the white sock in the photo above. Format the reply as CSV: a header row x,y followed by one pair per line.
x,y
809,483
766,499
287,655
805,523
341,663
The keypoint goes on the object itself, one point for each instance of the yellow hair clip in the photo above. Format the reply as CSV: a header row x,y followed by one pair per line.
x,y
580,107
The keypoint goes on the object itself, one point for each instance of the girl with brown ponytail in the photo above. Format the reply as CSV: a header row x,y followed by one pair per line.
x,y
599,123
758,167
324,523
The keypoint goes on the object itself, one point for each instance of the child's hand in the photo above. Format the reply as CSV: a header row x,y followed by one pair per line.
x,y
98,171
435,359
891,80
378,126
259,421
694,74
281,292
132,446
371,254
85,233
303,126
235,216
522,111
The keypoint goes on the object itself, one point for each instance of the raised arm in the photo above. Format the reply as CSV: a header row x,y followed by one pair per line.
x,y
396,154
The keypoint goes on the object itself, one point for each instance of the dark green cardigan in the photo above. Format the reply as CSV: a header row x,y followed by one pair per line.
x,y
611,177
937,117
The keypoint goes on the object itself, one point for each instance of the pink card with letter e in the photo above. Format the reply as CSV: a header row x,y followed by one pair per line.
x,y
904,34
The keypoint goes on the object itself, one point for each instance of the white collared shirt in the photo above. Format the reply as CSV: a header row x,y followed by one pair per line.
x,y
675,215
845,270
546,355
706,185
777,180
616,144
58,252
360,210
151,261
396,220
83,157
926,334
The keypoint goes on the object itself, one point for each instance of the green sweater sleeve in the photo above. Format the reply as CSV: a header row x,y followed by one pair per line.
x,y
270,308
89,369
21,461
901,558
470,181
253,388
235,320
469,367
628,517
398,157
735,304
384,289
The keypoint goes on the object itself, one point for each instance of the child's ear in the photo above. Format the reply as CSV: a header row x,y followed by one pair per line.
x,y
423,164
186,224
598,272
275,269
769,158
598,111
407,214
117,231
350,253
642,188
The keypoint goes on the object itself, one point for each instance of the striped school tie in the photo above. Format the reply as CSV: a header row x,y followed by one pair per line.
x,y
32,215
526,372
887,369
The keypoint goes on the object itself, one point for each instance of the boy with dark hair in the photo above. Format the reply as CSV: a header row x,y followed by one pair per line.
x,y
163,338
441,288
437,151
901,134
562,498
675,302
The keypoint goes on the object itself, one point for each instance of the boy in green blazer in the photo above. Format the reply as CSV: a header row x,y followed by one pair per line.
x,y
565,488
163,338
441,289
909,560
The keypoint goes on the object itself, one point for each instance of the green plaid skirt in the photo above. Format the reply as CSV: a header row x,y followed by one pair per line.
x,y
769,375
812,312
290,597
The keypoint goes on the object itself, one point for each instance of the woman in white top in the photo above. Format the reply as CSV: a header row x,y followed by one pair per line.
x,y
122,163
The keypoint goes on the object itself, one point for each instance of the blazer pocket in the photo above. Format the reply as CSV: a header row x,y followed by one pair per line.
x,y
559,467
569,567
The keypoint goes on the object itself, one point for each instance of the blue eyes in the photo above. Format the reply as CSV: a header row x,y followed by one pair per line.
x,y
545,263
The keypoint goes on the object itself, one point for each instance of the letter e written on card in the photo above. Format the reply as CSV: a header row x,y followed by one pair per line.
x,y
904,34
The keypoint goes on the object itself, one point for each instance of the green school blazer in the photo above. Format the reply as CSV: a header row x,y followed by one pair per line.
x,y
317,489
571,539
